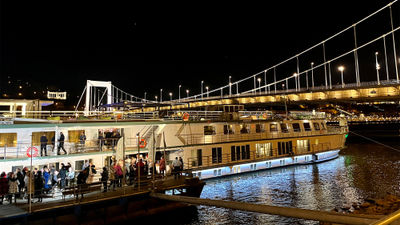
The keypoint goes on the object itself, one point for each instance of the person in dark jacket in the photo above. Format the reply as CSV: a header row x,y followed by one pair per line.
x,y
61,140
63,175
43,145
39,183
104,178
21,185
3,186
53,143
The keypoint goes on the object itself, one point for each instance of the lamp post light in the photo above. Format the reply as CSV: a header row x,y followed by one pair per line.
x,y
187,93
207,91
170,96
230,86
179,94
156,97
312,74
378,67
295,79
341,69
145,96
161,95
259,83
202,89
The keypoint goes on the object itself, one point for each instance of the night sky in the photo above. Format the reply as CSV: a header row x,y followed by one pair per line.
x,y
145,48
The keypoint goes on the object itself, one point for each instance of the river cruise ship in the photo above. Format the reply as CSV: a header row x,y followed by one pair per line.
x,y
210,143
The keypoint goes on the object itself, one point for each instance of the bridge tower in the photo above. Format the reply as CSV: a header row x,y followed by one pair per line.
x,y
90,95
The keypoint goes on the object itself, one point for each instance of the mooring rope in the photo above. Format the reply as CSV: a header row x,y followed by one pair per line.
x,y
370,139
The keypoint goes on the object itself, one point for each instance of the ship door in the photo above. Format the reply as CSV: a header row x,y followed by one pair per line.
x,y
315,157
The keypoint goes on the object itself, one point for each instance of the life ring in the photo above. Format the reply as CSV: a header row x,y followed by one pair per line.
x,y
35,152
185,116
142,143
264,115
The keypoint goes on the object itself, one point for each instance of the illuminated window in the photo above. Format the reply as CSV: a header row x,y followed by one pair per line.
x,y
260,128
263,150
296,127
36,137
244,129
273,127
73,135
209,130
228,129
284,128
316,126
9,139
303,146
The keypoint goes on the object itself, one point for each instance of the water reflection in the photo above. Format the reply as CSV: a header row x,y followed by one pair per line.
x,y
361,171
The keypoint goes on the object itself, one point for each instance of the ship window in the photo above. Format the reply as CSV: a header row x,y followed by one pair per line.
x,y
260,128
296,127
248,151
228,129
244,156
37,135
273,127
263,150
209,130
217,155
303,146
237,152
73,135
284,128
307,126
316,126
9,139
244,129
322,126
233,153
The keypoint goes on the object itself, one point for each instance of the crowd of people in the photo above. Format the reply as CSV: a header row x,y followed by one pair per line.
x,y
26,184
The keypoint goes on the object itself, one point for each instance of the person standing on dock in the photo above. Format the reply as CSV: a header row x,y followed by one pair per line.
x,y
43,145
61,144
162,166
3,186
104,178
177,166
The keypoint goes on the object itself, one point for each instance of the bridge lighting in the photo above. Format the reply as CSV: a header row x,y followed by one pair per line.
x,y
156,97
312,74
259,83
295,79
378,67
202,89
179,92
230,86
187,92
170,96
161,95
341,69
207,91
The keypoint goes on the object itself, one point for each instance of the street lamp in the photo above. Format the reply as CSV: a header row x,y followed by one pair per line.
x,y
156,97
295,79
207,91
145,96
259,83
161,95
312,74
230,86
202,89
187,92
341,69
180,92
170,96
378,67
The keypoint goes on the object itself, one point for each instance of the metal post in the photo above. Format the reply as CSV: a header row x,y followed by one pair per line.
x,y
201,91
312,75
377,66
330,76
265,81
386,62
138,160
307,79
230,86
237,88
255,85
341,71
161,95
298,71
287,84
179,94
275,79
356,57
394,46
326,80
5,151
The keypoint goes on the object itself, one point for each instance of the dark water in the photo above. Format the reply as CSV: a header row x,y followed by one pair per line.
x,y
362,170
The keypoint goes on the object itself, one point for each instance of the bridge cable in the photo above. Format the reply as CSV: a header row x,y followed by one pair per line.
x,y
375,141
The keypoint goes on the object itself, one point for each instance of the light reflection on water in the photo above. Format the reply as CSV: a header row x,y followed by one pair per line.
x,y
361,171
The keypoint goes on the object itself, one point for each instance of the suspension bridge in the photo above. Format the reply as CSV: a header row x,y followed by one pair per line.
x,y
368,71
